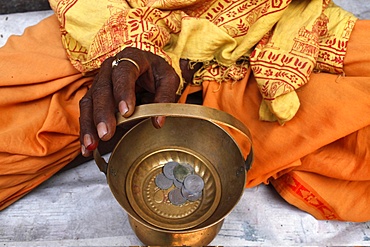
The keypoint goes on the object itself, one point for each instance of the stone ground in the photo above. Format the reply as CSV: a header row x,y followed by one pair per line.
x,y
16,6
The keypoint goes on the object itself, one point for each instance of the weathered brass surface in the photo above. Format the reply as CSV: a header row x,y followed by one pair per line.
x,y
155,237
152,203
190,134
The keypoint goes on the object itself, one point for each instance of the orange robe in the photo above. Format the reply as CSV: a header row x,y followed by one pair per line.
x,y
317,161
40,92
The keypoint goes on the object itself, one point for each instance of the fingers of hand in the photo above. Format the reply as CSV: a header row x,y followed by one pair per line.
x,y
88,136
167,83
103,102
124,76
144,69
97,118
114,87
123,80
158,121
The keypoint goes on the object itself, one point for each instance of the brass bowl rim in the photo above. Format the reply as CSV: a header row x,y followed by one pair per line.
x,y
181,110
169,231
140,212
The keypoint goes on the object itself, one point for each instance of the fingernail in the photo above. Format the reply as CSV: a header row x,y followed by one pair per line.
x,y
83,150
87,140
122,107
160,120
102,129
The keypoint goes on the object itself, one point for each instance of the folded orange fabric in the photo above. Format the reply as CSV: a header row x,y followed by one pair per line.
x,y
333,182
319,161
40,91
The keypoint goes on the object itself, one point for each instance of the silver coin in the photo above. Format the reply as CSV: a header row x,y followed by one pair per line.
x,y
168,169
193,183
163,182
177,183
176,198
191,196
181,172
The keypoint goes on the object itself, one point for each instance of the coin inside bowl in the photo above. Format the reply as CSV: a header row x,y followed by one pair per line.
x,y
152,204
192,134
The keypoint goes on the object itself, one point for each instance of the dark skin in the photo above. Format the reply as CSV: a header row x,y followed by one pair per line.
x,y
116,89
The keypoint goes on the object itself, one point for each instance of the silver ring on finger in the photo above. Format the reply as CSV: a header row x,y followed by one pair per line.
x,y
118,60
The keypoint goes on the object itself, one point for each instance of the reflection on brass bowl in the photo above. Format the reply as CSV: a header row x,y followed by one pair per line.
x,y
191,134
152,204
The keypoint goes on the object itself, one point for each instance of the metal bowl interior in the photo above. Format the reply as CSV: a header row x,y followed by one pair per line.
x,y
140,155
152,203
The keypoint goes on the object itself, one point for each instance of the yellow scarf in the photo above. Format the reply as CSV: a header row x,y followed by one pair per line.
x,y
282,41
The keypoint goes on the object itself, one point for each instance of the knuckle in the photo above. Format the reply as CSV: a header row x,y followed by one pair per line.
x,y
84,102
107,62
101,89
173,77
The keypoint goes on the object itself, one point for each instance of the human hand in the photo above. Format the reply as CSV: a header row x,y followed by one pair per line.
x,y
116,87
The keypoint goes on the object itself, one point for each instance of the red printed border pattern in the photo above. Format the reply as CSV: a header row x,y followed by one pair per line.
x,y
280,73
305,193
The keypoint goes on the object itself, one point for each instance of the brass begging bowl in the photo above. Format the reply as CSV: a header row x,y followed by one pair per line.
x,y
191,134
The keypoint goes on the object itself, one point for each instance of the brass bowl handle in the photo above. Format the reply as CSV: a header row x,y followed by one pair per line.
x,y
183,110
